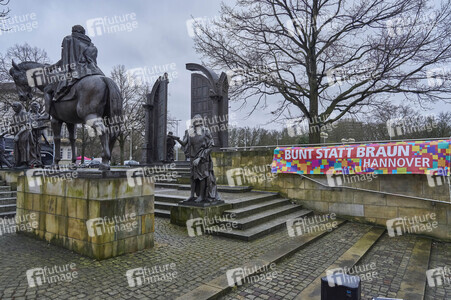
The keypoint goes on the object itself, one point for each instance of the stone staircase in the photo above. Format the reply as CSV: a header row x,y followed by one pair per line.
x,y
7,201
253,214
257,216
183,173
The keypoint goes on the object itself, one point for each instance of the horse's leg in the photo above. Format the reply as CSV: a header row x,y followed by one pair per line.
x,y
71,130
56,128
99,127
114,133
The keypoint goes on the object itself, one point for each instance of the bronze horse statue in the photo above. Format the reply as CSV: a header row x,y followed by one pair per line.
x,y
96,101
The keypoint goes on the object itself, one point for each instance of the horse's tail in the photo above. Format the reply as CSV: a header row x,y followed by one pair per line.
x,y
113,112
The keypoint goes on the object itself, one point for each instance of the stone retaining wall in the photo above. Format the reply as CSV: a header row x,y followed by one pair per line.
x,y
252,168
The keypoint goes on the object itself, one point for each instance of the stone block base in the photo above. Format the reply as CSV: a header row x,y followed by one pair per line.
x,y
96,217
182,213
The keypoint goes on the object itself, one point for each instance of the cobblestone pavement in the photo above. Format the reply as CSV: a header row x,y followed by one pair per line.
x,y
390,255
389,258
440,257
298,271
198,259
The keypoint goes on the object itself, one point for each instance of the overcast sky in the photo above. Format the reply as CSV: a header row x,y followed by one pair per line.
x,y
158,36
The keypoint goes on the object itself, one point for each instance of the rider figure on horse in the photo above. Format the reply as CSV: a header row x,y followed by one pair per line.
x,y
78,60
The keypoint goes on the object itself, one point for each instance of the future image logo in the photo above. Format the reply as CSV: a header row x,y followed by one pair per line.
x,y
63,273
439,276
305,225
100,226
194,25
252,275
143,276
111,24
437,177
36,77
416,224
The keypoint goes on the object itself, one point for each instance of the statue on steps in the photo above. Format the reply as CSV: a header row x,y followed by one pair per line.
x,y
199,143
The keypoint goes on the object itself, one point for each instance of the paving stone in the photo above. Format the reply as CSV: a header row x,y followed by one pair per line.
x,y
200,259
440,257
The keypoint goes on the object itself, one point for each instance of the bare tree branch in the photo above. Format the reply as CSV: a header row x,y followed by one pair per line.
x,y
331,58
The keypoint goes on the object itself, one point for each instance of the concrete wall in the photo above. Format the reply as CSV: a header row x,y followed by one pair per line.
x,y
251,168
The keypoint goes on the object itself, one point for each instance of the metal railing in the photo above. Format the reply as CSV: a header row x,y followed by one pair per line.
x,y
377,192
329,144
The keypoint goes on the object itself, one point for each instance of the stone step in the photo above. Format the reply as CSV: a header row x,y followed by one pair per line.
x,y
221,188
7,194
256,208
11,200
167,181
349,259
262,229
184,180
7,214
220,286
252,200
162,213
265,216
178,164
167,185
5,188
7,207
414,286
169,198
164,205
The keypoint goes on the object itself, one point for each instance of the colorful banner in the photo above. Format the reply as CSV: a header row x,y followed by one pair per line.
x,y
391,158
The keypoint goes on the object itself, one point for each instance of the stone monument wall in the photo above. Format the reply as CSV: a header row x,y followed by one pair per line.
x,y
252,168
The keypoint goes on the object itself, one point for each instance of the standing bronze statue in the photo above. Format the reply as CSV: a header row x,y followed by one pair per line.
x,y
185,148
25,155
170,144
3,160
76,92
37,129
200,143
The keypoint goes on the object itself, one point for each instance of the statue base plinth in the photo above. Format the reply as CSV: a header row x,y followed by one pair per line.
x,y
183,212
201,204
97,217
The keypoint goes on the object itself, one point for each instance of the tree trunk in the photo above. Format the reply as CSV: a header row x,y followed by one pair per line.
x,y
315,135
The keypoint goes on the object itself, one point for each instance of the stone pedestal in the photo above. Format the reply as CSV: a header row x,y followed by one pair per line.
x,y
96,217
182,213
11,176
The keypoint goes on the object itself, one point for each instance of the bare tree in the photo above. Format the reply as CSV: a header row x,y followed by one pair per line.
x,y
330,58
4,11
133,95
19,53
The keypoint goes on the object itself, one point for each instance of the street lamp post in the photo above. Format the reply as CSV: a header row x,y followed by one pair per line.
x,y
131,144
324,135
